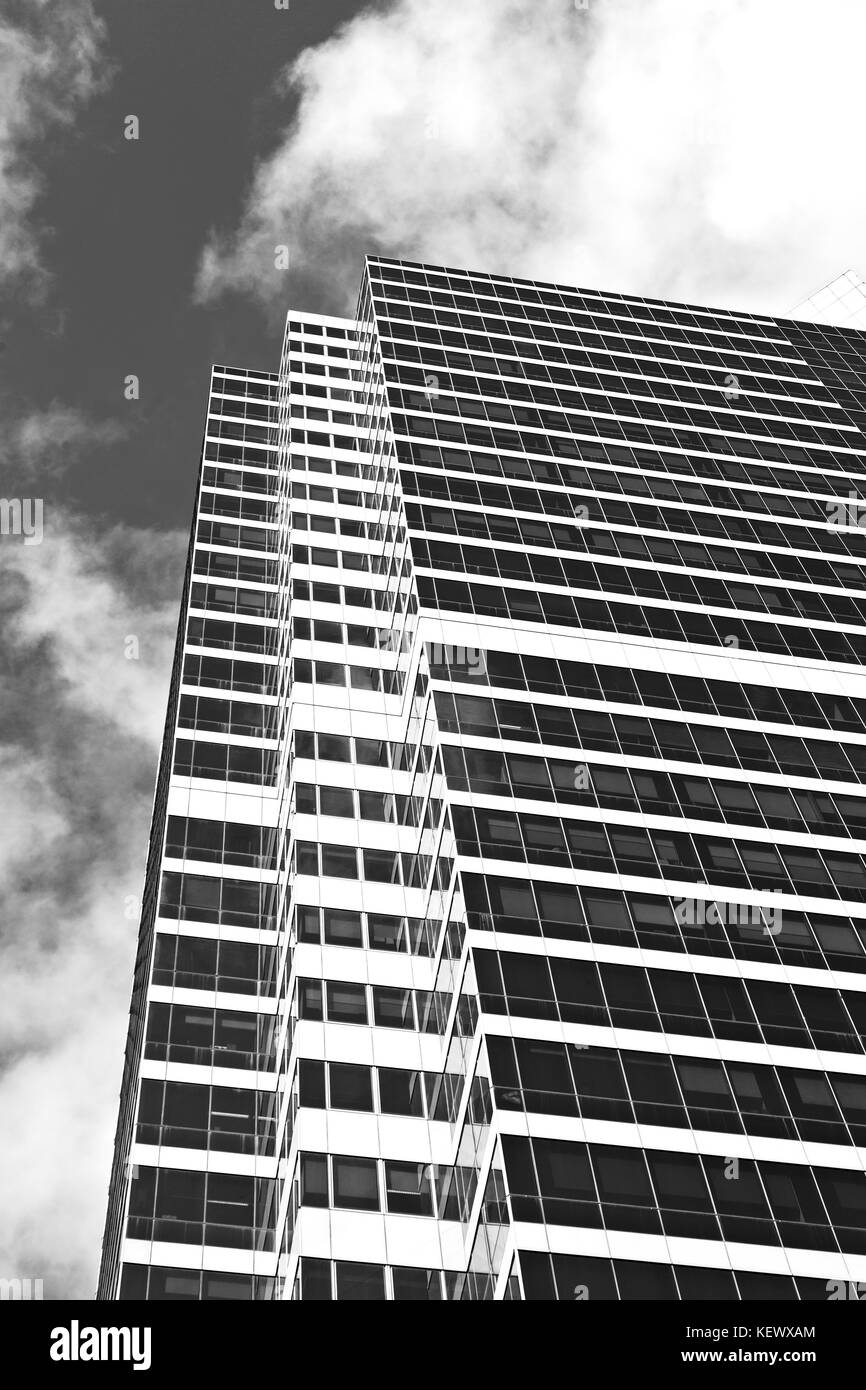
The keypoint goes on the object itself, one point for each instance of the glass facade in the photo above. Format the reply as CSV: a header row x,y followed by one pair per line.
x,y
504,931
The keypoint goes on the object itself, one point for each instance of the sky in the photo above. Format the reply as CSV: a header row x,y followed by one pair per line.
x,y
702,150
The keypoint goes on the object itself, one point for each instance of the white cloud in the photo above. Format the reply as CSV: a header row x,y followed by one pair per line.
x,y
79,768
707,152
50,64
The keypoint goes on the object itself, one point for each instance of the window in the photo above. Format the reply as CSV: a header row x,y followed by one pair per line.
x,y
336,801
229,1204
307,920
371,752
544,1070
311,1083
681,1190
186,1107
342,928
400,1092
179,1196
314,1180
625,1189
360,1281
393,1008
356,1184
307,858
351,1087
707,1284
309,999
315,1279
339,861
654,1089
707,1093
408,1188
510,898
174,1284
420,1285
335,748
347,1003
638,1280
386,933
381,866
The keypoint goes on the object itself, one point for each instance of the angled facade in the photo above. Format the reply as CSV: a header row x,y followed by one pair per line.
x,y
504,928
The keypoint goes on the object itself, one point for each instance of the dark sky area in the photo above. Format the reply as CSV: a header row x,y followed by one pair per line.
x,y
129,219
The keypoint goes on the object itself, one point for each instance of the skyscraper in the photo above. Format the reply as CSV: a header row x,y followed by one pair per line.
x,y
504,931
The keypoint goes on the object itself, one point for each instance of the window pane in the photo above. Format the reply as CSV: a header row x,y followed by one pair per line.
x,y
347,1003
356,1184
424,1285
351,1087
357,1281
342,928
315,1279
392,1008
314,1180
339,861
400,1092
408,1188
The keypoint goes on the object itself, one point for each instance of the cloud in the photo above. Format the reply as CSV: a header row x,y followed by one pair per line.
x,y
44,442
78,766
707,152
51,62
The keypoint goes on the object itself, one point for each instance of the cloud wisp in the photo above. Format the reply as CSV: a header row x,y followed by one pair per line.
x,y
41,444
702,152
51,62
